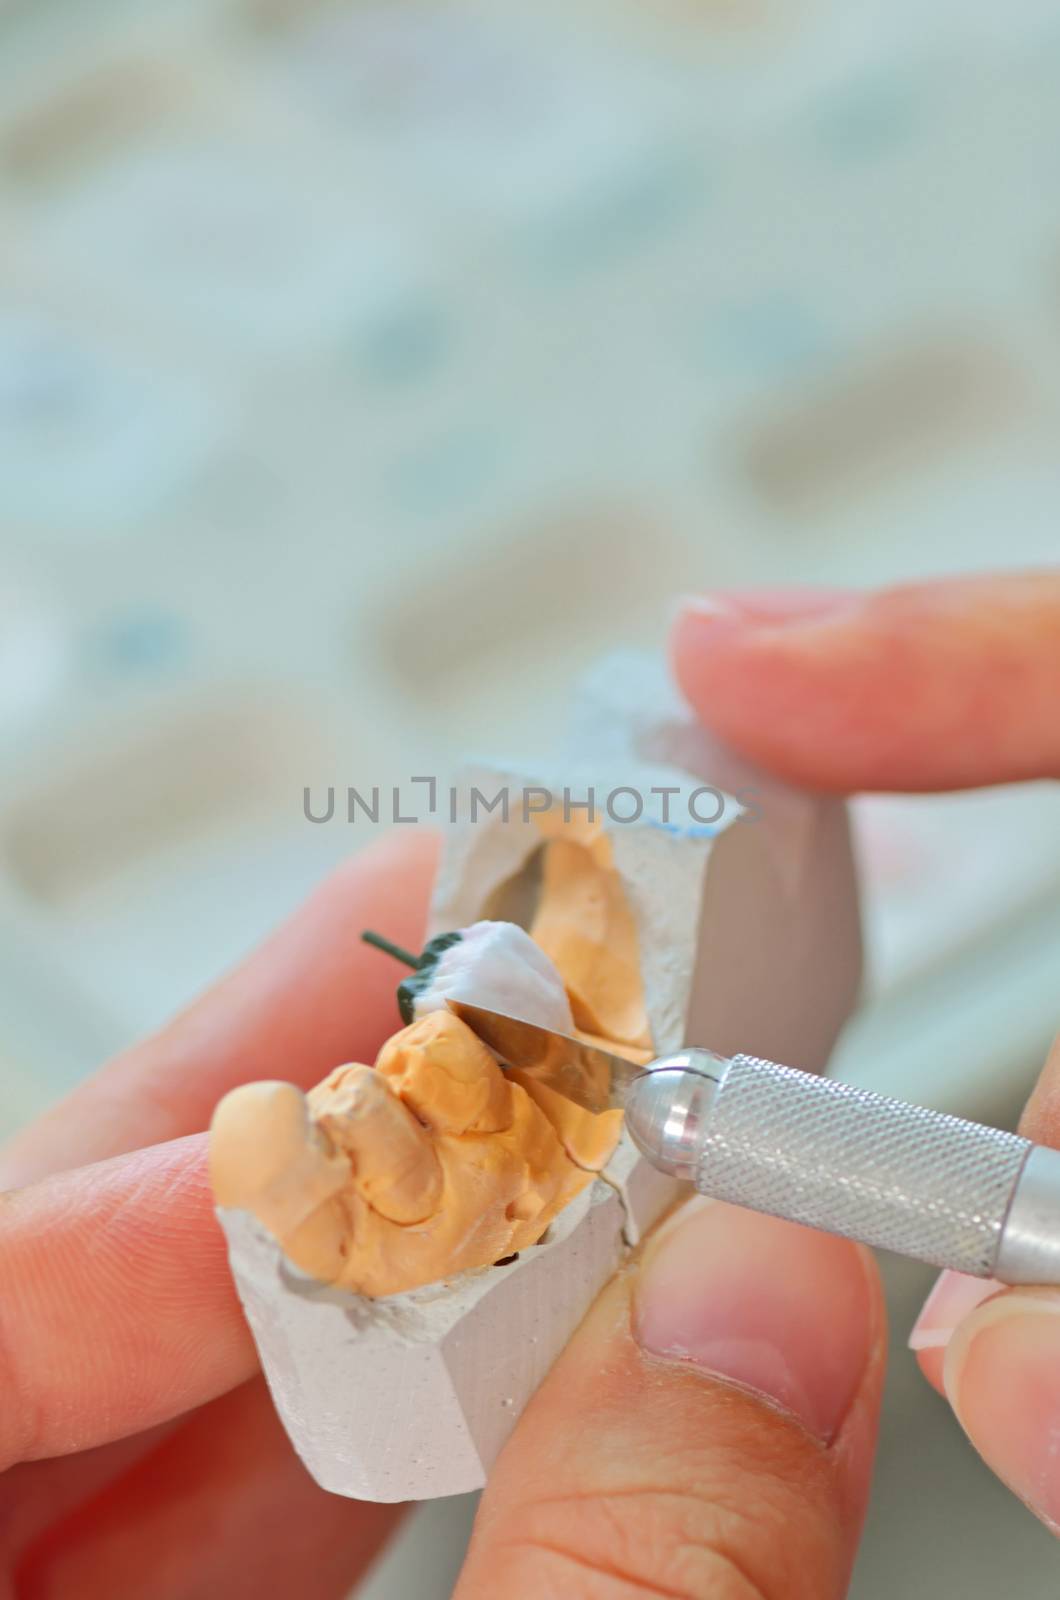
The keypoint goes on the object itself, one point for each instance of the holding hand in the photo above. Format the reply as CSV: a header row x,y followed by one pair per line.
x,y
709,1430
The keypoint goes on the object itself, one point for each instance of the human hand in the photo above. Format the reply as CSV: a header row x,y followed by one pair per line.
x,y
707,1432
145,1458
709,1429
930,686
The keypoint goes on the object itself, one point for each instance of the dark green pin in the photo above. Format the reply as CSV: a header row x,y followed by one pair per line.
x,y
424,966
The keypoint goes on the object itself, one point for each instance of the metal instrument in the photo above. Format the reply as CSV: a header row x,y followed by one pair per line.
x,y
827,1154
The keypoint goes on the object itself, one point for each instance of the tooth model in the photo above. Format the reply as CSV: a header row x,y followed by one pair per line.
x,y
413,1241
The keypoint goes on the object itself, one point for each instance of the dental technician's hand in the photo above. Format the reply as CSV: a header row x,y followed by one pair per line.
x,y
141,1455
708,1431
938,685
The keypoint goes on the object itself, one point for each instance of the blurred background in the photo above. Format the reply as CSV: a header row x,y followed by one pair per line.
x,y
365,368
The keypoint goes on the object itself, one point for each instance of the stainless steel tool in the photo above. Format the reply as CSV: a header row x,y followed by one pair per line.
x,y
827,1154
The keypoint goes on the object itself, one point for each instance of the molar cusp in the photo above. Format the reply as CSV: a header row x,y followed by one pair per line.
x,y
393,1164
401,1187
446,1076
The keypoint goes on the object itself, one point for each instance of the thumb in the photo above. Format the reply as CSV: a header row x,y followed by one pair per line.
x,y
708,1431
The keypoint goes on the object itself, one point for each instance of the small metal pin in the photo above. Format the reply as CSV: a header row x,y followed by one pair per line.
x,y
389,948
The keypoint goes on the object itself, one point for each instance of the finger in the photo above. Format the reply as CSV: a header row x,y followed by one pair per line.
x,y
312,997
708,1430
38,1493
117,1309
955,1295
222,1507
995,1353
937,685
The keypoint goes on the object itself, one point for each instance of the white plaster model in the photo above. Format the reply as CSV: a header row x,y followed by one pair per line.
x,y
413,1396
749,940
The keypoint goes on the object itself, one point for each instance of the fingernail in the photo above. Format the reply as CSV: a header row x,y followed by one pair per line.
x,y
770,605
954,1295
771,1307
703,605
1002,1377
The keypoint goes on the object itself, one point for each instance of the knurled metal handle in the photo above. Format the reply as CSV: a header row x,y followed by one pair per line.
x,y
837,1157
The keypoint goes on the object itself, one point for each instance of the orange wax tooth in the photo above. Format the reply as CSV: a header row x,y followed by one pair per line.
x,y
585,925
589,1138
446,1075
436,1161
392,1159
266,1156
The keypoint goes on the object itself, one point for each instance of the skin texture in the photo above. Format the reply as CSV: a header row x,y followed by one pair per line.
x,y
636,1471
927,686
121,1265
942,685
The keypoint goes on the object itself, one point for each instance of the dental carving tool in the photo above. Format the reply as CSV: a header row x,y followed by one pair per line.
x,y
813,1150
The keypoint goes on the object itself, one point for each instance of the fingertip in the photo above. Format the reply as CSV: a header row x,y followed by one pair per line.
x,y
699,626
953,1298
930,1361
942,684
1041,1116
759,674
772,604
1001,1375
